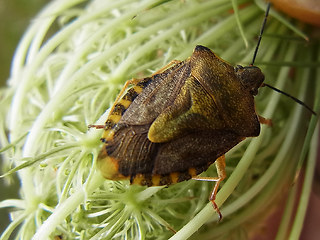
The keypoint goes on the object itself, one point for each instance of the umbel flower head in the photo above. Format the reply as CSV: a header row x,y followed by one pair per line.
x,y
68,69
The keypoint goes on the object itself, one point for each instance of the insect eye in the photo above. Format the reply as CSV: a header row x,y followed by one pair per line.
x,y
238,67
251,77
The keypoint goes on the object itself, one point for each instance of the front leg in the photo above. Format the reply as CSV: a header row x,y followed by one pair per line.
x,y
173,62
133,82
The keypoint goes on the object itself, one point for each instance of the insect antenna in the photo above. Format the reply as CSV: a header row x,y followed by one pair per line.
x,y
288,95
260,35
254,58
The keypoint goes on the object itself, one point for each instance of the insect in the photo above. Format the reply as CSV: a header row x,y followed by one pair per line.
x,y
173,125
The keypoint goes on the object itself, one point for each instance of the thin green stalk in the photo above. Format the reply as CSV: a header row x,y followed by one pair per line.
x,y
12,226
306,188
22,49
284,227
312,138
282,19
236,13
85,48
30,161
24,83
151,45
67,207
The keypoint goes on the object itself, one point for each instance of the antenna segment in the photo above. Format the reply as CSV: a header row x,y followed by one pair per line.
x,y
260,35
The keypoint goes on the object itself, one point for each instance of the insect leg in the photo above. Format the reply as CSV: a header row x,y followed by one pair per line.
x,y
96,126
129,82
266,121
221,170
173,62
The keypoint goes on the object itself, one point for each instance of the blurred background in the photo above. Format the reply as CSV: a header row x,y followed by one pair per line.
x,y
15,16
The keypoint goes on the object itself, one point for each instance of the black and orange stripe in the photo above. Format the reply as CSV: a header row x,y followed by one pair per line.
x,y
167,179
120,106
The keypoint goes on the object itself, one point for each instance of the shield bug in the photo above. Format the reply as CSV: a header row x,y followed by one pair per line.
x,y
173,125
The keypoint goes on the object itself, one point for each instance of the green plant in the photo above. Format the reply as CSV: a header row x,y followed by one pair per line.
x,y
60,83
